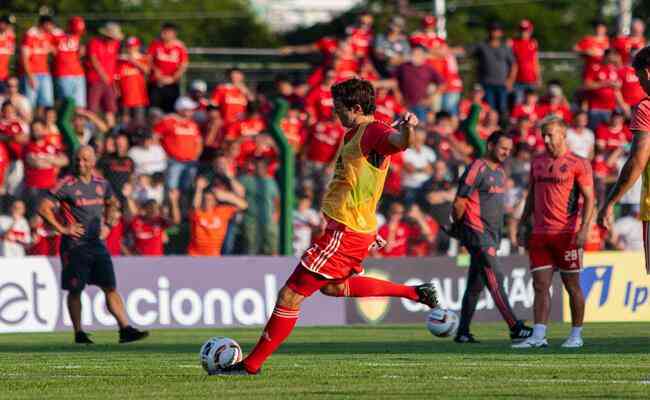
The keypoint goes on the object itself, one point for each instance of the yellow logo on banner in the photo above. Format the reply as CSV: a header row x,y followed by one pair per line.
x,y
616,287
374,309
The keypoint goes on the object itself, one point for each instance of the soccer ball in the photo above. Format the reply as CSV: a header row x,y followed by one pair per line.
x,y
442,323
218,353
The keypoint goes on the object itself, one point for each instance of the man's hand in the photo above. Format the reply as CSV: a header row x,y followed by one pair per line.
x,y
75,230
31,81
201,183
127,190
581,238
409,120
606,217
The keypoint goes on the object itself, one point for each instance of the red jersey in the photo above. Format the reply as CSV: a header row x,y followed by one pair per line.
x,y
133,85
37,42
180,137
327,47
451,75
293,127
148,236
47,241
4,161
360,40
532,111
625,45
67,58
388,105
7,49
631,89
167,57
603,98
525,52
430,40
40,178
557,208
559,109
397,245
245,128
422,247
319,103
324,140
593,43
231,100
609,138
11,129
114,239
345,67
106,51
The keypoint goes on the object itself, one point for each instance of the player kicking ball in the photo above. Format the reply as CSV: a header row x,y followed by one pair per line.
x,y
333,262
478,219
559,180
83,199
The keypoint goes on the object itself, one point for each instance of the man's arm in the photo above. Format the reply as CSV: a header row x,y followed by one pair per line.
x,y
634,166
231,198
587,191
46,211
402,139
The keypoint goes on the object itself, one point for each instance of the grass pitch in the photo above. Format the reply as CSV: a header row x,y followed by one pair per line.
x,y
360,362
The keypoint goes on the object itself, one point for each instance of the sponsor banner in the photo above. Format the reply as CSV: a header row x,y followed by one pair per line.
x,y
165,292
450,279
616,287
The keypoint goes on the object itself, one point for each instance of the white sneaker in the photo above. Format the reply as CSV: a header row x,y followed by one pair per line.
x,y
573,342
531,343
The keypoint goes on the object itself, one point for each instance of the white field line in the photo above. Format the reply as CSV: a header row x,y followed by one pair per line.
x,y
567,381
491,364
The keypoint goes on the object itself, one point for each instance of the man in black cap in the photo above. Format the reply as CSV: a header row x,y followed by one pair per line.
x,y
496,68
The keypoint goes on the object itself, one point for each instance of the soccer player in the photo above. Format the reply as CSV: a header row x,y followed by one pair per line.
x,y
558,178
637,163
478,211
333,261
83,199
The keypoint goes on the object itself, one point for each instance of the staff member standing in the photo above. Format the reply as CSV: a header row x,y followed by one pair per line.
x,y
478,209
83,198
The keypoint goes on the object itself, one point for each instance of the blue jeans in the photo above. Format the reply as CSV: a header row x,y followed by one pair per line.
x,y
73,87
450,103
43,94
180,175
597,117
497,97
420,112
520,91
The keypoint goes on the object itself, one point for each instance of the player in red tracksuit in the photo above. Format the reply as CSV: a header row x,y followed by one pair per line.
x,y
561,201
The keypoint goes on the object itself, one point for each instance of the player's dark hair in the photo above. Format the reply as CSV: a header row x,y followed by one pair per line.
x,y
44,19
494,138
355,91
642,59
169,25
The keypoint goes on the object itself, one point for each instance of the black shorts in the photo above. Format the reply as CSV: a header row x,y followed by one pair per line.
x,y
86,264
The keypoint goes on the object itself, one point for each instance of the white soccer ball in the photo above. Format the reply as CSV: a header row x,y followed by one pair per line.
x,y
442,323
218,353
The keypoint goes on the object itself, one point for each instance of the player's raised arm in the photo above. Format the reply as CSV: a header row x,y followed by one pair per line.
x,y
402,138
634,166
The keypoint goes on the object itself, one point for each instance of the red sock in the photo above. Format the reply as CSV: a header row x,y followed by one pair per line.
x,y
276,331
363,286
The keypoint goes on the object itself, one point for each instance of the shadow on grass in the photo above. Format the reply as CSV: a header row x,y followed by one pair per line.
x,y
614,345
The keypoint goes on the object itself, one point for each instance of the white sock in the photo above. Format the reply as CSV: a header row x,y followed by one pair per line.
x,y
539,331
576,331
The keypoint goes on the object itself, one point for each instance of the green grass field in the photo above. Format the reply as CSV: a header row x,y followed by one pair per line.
x,y
360,362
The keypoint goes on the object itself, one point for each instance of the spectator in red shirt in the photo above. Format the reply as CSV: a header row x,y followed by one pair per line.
x,y
42,163
604,85
525,48
592,47
397,233
34,51
425,233
14,133
360,36
45,240
529,107
169,61
181,138
132,70
67,69
627,45
148,230
631,89
7,49
103,52
232,97
318,102
555,103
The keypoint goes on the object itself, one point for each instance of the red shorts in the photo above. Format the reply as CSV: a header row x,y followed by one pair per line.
x,y
305,282
556,251
338,253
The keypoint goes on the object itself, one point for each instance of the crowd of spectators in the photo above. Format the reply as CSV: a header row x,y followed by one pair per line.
x,y
195,167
